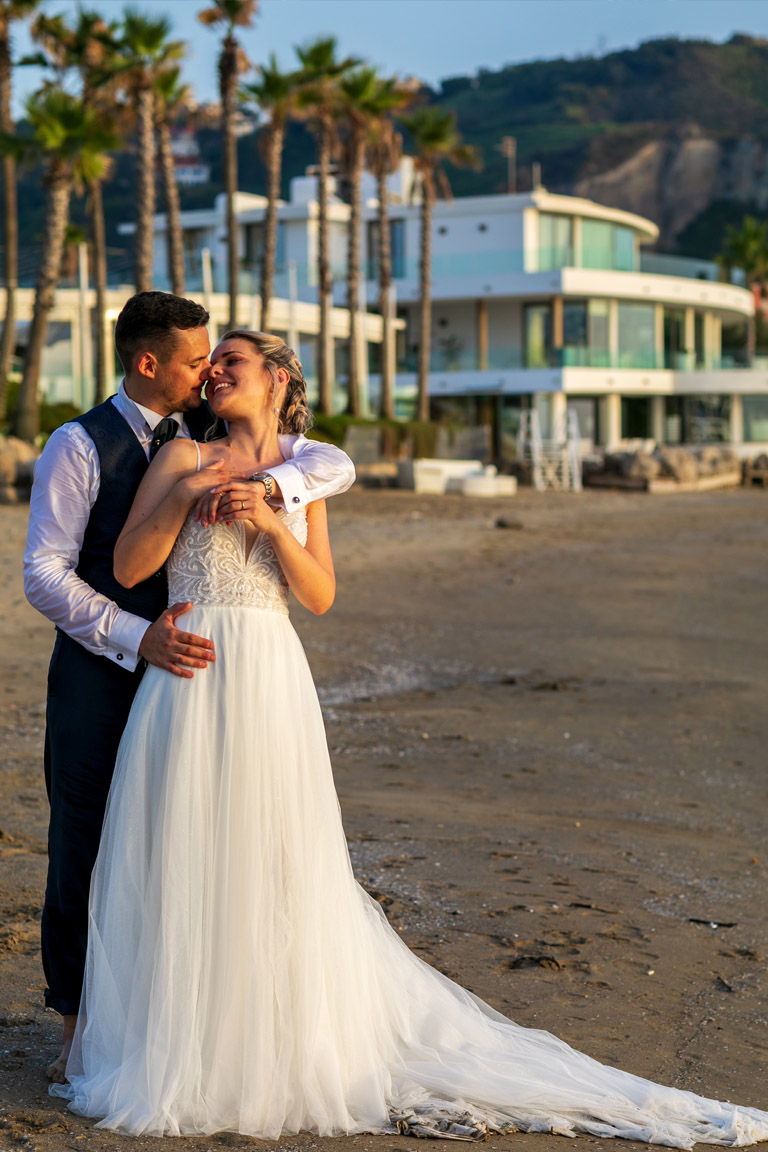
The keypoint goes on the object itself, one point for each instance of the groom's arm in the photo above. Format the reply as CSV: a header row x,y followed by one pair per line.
x,y
312,471
64,491
65,488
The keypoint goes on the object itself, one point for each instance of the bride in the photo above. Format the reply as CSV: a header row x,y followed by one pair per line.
x,y
238,978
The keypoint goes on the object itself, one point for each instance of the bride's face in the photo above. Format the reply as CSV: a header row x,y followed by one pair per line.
x,y
239,382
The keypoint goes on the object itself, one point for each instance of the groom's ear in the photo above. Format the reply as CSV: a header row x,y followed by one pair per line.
x,y
146,364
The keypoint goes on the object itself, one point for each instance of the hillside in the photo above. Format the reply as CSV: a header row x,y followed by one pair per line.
x,y
676,130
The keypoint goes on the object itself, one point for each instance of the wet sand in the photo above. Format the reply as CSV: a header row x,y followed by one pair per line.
x,y
549,742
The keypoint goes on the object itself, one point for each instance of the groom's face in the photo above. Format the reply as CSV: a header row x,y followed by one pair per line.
x,y
180,376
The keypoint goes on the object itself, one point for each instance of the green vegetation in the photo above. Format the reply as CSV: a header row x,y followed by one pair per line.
x,y
576,117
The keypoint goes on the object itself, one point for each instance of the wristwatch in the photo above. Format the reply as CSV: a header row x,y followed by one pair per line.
x,y
265,479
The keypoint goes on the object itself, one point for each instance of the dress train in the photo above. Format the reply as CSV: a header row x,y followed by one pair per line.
x,y
238,978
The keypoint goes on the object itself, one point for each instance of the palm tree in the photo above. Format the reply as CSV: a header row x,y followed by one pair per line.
x,y
275,93
73,142
435,139
170,95
746,247
10,11
319,98
88,47
356,91
383,154
146,51
232,61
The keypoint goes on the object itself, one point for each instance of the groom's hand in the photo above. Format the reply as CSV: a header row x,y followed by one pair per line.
x,y
167,647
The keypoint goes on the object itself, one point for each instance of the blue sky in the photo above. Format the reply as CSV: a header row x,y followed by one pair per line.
x,y
433,39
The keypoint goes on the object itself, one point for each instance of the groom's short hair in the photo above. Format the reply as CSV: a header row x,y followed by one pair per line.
x,y
149,322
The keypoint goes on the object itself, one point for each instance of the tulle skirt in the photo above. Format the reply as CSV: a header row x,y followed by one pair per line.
x,y
238,978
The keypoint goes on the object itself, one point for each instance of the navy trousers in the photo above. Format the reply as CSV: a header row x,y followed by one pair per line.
x,y
89,698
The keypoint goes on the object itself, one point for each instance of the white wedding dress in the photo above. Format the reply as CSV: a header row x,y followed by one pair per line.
x,y
239,978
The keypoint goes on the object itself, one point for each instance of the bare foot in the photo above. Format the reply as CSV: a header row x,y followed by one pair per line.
x,y
57,1071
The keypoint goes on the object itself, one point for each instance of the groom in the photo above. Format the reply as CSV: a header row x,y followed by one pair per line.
x,y
84,486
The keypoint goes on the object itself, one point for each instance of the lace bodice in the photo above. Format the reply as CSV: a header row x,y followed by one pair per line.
x,y
210,566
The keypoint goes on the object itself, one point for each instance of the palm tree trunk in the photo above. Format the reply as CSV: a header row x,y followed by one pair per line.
x,y
228,90
353,269
10,223
274,161
425,311
385,301
324,368
172,208
145,191
99,249
58,192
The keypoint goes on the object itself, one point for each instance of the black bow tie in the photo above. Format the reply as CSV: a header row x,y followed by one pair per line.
x,y
164,431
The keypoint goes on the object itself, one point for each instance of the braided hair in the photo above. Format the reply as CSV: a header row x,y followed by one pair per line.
x,y
295,414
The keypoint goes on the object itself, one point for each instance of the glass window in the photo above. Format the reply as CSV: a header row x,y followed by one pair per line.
x,y
575,326
555,241
585,333
538,335
599,334
193,239
625,259
397,240
706,419
609,246
674,339
756,419
637,336
254,243
308,355
585,408
635,417
596,244
699,340
575,333
673,420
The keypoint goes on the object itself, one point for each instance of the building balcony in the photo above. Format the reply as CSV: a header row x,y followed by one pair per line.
x,y
451,358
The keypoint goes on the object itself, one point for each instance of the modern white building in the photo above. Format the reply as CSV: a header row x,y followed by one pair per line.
x,y
539,300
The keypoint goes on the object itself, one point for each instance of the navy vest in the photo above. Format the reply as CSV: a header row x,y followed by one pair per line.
x,y
122,465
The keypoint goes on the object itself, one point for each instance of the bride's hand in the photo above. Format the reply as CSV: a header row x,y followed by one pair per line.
x,y
243,501
207,501
196,485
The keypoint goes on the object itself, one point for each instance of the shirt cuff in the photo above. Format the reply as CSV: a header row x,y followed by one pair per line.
x,y
293,494
124,640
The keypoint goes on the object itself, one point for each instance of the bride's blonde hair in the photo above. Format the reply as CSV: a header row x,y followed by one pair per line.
x,y
295,414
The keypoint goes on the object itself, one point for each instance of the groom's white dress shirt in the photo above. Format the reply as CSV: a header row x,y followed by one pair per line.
x,y
67,478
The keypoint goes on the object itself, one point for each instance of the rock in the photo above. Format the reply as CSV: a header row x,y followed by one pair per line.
x,y
632,464
679,463
363,444
17,465
644,465
714,459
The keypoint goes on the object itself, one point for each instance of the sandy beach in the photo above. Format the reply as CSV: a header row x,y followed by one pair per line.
x,y
547,721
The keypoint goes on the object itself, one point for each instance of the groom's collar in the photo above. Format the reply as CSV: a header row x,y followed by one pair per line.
x,y
151,418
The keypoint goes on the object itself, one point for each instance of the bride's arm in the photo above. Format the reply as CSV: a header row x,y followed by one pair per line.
x,y
169,489
308,569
